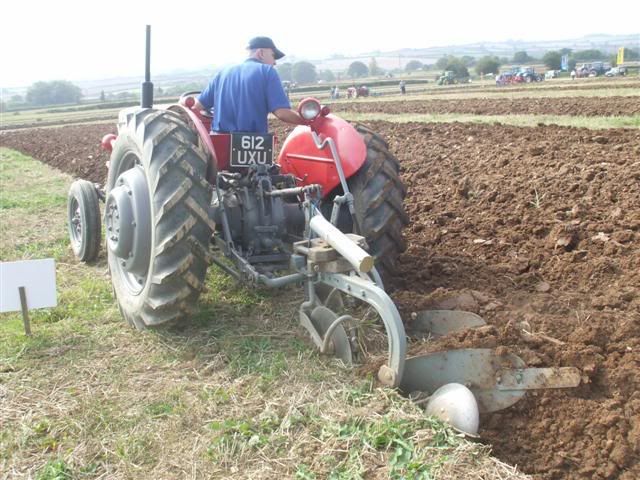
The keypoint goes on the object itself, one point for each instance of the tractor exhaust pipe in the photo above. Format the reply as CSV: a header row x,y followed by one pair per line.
x,y
146,101
356,256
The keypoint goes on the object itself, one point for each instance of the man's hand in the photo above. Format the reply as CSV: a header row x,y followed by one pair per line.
x,y
290,116
199,108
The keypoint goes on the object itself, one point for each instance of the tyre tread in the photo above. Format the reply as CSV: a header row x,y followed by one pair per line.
x,y
85,194
176,169
379,194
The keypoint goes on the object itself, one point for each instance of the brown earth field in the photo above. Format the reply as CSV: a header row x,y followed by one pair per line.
x,y
535,229
582,84
582,106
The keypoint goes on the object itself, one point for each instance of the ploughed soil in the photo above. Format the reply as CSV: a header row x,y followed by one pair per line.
x,y
74,149
575,106
538,231
567,87
535,229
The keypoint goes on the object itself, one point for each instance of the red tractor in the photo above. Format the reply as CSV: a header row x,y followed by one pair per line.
x,y
328,213
361,91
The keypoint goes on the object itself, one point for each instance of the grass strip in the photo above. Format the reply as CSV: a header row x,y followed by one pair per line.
x,y
594,123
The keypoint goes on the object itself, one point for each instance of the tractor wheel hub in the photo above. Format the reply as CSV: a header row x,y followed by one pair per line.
x,y
128,221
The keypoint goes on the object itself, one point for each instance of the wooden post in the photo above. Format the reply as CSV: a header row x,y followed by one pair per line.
x,y
25,311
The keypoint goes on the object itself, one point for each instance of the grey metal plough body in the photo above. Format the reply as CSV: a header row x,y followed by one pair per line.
x,y
497,382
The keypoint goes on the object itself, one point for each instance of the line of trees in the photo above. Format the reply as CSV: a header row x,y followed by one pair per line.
x,y
491,63
56,92
40,94
305,72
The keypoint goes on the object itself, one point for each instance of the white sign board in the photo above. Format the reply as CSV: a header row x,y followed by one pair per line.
x,y
38,277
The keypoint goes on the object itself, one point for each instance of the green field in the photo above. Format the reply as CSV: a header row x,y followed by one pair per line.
x,y
422,90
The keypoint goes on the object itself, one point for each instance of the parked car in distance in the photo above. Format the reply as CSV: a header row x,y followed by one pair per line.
x,y
551,74
615,72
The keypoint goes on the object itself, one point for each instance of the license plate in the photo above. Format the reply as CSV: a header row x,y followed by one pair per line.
x,y
248,149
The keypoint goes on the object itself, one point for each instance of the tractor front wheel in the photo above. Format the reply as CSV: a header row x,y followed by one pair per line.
x,y
83,215
156,217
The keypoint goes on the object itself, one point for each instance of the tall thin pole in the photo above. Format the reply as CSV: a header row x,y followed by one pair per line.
x,y
146,101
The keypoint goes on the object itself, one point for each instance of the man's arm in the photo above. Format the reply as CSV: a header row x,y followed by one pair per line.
x,y
290,116
277,101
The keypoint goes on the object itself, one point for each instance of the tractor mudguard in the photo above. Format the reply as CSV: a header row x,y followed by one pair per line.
x,y
301,157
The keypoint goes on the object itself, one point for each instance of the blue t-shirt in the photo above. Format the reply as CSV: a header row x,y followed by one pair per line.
x,y
242,97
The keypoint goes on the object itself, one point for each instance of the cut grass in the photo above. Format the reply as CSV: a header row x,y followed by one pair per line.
x,y
594,123
235,392
32,208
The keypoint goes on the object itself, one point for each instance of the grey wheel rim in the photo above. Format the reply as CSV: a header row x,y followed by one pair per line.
x,y
75,223
128,224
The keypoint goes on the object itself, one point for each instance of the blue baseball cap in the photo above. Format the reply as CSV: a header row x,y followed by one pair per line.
x,y
265,42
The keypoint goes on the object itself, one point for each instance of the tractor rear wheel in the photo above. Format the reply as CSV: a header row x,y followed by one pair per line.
x,y
156,217
378,195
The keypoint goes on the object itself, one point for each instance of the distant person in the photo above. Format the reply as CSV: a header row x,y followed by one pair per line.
x,y
573,74
242,96
403,87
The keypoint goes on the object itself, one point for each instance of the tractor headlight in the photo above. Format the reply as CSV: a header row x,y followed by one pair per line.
x,y
309,109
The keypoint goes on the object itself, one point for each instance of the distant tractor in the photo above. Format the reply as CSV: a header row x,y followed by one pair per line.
x,y
593,69
361,91
447,78
518,75
527,75
504,78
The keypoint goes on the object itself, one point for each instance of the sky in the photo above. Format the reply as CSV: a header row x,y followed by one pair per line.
x,y
89,40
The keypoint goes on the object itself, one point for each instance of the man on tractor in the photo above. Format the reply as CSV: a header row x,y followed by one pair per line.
x,y
242,96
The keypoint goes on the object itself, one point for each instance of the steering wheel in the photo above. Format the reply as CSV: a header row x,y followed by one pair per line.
x,y
204,113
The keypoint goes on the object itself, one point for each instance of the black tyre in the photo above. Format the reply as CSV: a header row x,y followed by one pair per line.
x,y
378,196
83,215
156,217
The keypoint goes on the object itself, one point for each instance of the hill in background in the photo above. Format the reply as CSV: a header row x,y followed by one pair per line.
x,y
390,60
398,59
